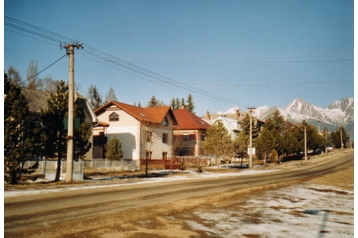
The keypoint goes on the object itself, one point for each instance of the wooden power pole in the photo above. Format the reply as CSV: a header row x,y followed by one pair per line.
x,y
250,146
71,65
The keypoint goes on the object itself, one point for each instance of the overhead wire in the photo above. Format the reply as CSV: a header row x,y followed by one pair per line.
x,y
151,77
42,70
111,60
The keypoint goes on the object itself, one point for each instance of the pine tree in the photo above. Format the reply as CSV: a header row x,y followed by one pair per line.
x,y
172,104
190,106
55,143
153,102
94,98
177,103
275,121
18,131
114,149
55,133
289,143
264,143
245,124
241,143
182,103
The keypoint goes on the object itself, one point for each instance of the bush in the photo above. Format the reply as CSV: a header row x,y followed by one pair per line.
x,y
273,156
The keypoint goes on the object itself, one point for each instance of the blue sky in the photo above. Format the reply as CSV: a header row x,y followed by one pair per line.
x,y
225,53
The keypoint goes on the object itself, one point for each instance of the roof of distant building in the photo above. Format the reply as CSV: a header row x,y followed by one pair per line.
x,y
189,121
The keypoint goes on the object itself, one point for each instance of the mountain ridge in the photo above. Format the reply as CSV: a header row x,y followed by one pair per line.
x,y
338,113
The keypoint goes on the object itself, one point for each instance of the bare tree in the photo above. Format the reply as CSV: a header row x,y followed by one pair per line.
x,y
33,81
49,85
111,95
13,75
177,141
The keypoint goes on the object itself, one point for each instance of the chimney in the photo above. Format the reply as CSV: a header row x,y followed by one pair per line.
x,y
207,116
237,114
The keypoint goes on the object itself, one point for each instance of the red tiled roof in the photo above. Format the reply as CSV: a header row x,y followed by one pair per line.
x,y
149,114
189,121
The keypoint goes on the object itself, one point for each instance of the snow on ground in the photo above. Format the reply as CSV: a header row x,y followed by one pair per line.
x,y
295,211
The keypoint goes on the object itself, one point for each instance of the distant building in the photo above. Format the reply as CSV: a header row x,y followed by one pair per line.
x,y
231,121
189,133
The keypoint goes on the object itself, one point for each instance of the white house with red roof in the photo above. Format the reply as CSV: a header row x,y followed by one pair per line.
x,y
189,133
143,132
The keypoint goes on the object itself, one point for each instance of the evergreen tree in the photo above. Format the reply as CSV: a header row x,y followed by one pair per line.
x,y
153,102
190,106
336,137
275,121
264,143
245,124
55,133
111,95
114,149
177,103
18,131
172,104
182,103
94,97
289,143
241,143
55,142
314,139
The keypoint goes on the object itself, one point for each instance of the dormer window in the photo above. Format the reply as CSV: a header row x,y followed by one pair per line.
x,y
165,122
114,117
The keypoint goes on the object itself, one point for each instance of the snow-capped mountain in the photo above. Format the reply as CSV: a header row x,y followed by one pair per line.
x,y
339,113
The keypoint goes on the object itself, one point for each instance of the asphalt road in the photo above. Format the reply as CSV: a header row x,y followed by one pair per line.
x,y
69,212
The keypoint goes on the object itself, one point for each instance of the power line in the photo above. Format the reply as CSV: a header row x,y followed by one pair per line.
x,y
268,85
247,57
111,60
152,77
43,70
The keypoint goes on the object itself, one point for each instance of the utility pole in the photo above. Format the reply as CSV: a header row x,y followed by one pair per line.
x,y
319,126
341,138
305,136
71,81
250,146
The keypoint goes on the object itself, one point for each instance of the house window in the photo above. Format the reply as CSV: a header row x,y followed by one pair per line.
x,y
149,136
165,138
165,155
203,135
184,152
165,122
186,137
148,155
114,117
